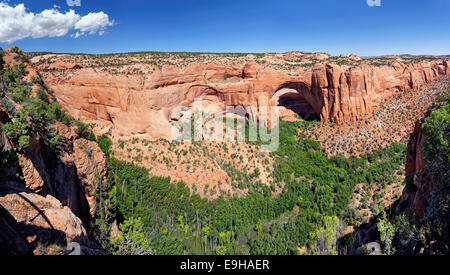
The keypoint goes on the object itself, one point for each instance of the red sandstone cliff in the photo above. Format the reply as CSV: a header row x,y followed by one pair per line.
x,y
425,197
144,104
419,183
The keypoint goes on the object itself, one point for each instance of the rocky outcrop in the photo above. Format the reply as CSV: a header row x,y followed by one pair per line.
x,y
419,183
30,219
61,207
90,163
72,177
354,57
144,104
45,212
33,168
46,192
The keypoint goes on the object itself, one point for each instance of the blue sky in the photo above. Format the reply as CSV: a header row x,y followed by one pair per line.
x,y
332,26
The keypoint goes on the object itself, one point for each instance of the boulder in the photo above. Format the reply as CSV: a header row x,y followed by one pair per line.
x,y
42,217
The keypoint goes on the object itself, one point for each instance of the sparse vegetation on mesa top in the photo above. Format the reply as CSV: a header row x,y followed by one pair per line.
x,y
141,63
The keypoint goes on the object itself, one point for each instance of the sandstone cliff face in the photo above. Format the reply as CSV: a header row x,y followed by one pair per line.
x,y
90,163
45,212
29,219
46,194
145,104
419,184
73,177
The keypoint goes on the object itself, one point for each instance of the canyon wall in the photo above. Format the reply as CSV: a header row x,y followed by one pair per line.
x,y
47,194
419,185
426,196
148,104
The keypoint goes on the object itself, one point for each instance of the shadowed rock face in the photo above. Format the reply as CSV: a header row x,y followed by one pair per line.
x,y
55,203
291,99
45,212
145,104
419,183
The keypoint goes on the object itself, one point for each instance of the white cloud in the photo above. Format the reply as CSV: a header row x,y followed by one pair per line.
x,y
93,23
17,23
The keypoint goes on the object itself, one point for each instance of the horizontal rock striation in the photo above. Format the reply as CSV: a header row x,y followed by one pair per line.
x,y
147,104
